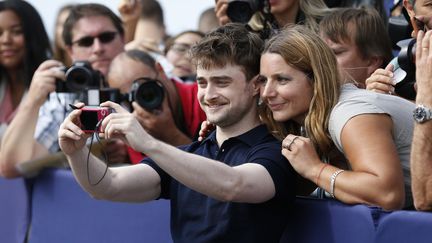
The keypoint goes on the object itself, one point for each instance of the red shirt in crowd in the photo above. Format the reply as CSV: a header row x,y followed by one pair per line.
x,y
193,115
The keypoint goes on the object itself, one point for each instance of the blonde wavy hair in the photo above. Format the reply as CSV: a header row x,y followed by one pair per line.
x,y
314,11
304,50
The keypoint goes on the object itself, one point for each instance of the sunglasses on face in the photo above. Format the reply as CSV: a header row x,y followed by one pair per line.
x,y
104,37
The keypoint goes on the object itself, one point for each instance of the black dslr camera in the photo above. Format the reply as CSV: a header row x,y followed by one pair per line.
x,y
79,77
241,11
148,93
405,70
95,96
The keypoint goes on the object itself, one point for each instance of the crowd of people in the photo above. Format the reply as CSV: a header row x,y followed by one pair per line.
x,y
300,100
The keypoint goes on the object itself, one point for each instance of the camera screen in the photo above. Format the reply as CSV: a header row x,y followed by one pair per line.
x,y
89,120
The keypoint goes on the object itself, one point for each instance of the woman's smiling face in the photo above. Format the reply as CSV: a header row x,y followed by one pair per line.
x,y
286,90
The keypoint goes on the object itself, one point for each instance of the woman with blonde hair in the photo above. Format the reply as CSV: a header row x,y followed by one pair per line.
x,y
302,89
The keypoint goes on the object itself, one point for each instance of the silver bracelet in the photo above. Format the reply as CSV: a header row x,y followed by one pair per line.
x,y
333,180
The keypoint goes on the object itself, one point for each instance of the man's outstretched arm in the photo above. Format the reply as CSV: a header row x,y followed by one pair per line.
x,y
138,183
249,182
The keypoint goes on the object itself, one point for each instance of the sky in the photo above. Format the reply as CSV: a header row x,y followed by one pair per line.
x,y
179,14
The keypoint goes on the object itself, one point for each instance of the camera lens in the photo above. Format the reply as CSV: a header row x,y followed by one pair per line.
x,y
81,76
241,11
150,95
78,78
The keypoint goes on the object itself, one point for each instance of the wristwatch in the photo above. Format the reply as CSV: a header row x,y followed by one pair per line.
x,y
422,114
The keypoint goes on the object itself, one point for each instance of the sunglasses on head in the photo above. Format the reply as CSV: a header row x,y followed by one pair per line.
x,y
104,37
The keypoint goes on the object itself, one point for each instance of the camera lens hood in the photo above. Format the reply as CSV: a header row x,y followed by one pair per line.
x,y
149,95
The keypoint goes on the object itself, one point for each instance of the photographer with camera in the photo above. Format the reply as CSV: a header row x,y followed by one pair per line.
x,y
421,154
166,108
400,73
383,80
92,32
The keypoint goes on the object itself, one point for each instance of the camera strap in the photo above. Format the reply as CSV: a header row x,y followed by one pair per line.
x,y
105,157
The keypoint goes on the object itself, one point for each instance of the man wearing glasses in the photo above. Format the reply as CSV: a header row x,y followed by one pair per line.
x,y
92,33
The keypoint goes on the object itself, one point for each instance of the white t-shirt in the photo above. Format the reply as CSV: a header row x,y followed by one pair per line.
x,y
354,101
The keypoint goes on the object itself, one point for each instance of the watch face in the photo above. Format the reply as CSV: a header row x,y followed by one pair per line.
x,y
420,114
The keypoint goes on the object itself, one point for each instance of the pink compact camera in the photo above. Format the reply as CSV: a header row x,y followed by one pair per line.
x,y
91,118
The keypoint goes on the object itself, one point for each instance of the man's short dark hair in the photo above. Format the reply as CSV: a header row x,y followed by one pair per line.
x,y
88,10
231,44
363,27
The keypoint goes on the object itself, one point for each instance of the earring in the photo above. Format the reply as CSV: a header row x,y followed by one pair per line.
x,y
260,101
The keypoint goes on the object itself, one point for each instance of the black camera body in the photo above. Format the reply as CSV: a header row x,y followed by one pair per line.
x,y
406,56
94,97
405,70
148,93
241,11
79,77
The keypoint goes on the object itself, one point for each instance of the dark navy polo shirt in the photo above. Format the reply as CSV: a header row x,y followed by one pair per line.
x,y
196,217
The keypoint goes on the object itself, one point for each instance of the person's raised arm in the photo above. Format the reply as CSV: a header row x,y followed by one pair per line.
x,y
138,183
421,151
248,182
130,11
18,144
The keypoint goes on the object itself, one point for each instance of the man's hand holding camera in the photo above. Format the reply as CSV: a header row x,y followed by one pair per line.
x,y
124,125
44,81
119,125
71,136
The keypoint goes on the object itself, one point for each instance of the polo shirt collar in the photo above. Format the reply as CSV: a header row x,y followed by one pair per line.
x,y
250,137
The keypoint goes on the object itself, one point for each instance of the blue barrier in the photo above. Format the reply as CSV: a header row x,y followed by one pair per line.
x,y
405,227
329,221
14,210
63,212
